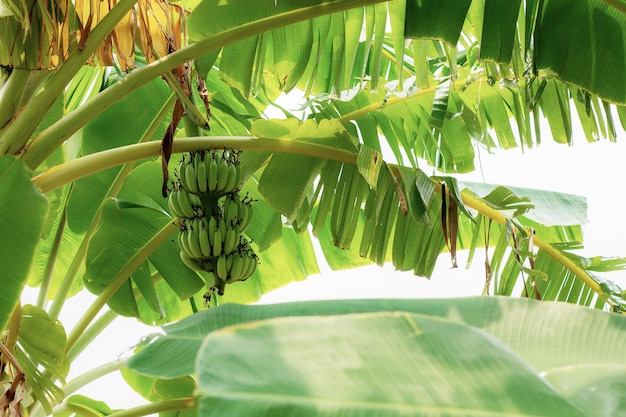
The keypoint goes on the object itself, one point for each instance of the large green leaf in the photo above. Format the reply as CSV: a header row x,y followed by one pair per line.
x,y
582,43
386,364
117,126
22,212
139,220
550,338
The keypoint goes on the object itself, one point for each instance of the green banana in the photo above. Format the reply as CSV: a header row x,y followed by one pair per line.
x,y
222,271
183,242
182,172
229,261
245,214
235,271
205,245
231,209
222,175
231,179
191,180
202,177
184,203
212,175
231,239
212,227
193,242
172,203
250,266
191,263
217,242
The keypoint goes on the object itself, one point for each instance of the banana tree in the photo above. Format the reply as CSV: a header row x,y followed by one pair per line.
x,y
90,104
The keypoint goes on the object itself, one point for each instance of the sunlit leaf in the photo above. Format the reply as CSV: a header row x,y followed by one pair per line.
x,y
22,212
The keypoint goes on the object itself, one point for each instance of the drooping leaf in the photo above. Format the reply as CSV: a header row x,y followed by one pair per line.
x,y
598,65
435,20
379,366
116,126
44,340
517,323
22,212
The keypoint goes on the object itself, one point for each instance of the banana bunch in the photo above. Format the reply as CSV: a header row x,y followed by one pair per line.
x,y
238,265
212,173
200,239
212,217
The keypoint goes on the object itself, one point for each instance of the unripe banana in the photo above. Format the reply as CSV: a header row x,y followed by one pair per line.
x,y
231,209
222,175
229,261
231,239
202,177
251,267
183,242
212,227
185,203
191,263
197,159
222,271
193,242
245,215
235,271
172,203
212,175
205,245
231,180
248,267
191,180
217,244
182,172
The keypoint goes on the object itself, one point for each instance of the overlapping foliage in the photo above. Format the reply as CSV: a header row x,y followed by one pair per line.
x,y
391,88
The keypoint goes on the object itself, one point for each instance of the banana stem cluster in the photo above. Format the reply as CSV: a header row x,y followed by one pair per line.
x,y
205,196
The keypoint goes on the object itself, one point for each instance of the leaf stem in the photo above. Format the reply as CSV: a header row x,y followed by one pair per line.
x,y
478,205
91,333
156,408
375,107
78,168
52,137
11,93
117,282
52,258
72,271
91,375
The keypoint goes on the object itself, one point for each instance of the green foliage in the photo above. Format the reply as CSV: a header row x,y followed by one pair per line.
x,y
82,207
23,211
266,359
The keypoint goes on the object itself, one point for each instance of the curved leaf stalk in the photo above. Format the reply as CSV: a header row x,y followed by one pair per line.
x,y
91,375
11,94
16,135
618,4
374,107
72,170
14,328
54,251
156,408
72,272
52,137
142,410
91,333
482,208
79,382
117,282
